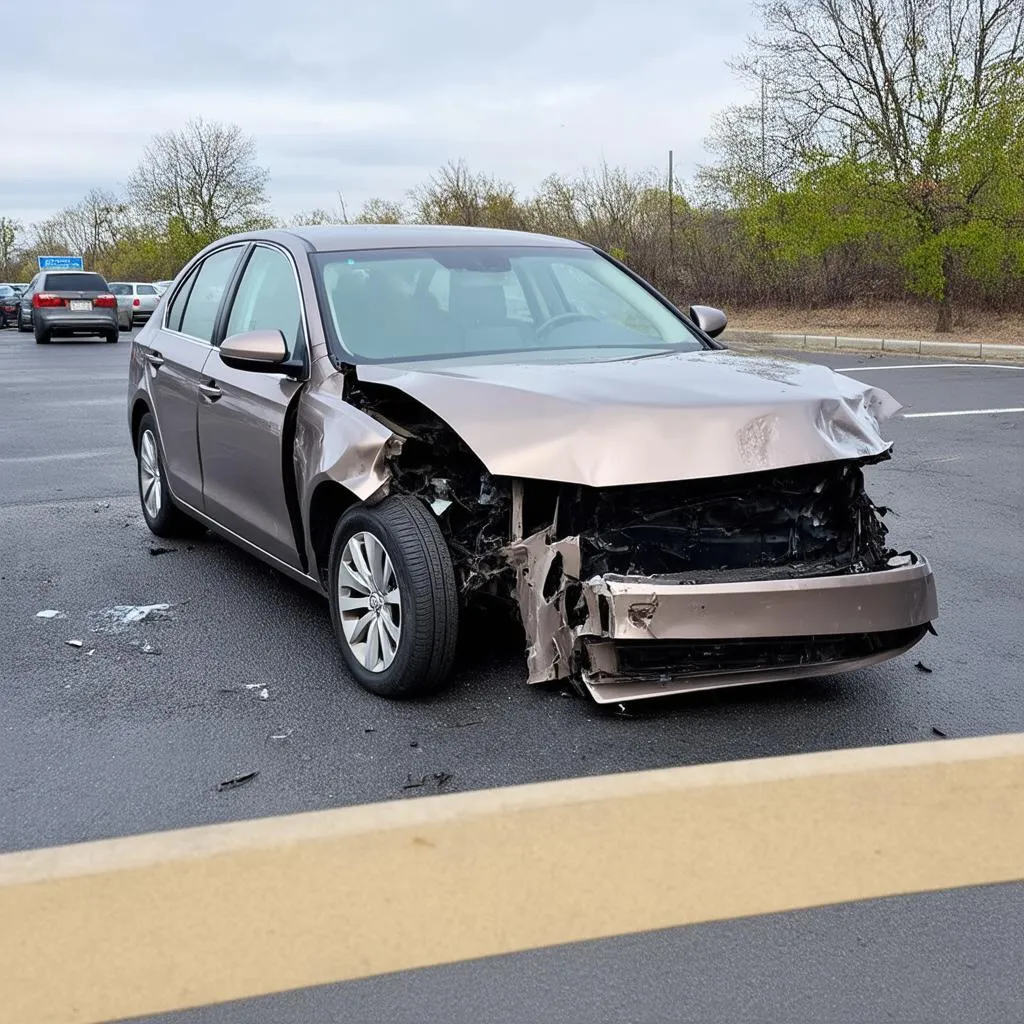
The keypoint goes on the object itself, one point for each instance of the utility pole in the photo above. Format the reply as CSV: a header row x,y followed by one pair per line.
x,y
671,219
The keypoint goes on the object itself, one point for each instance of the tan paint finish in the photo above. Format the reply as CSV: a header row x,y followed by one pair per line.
x,y
179,919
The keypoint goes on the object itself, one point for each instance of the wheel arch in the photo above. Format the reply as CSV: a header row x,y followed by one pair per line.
x,y
329,501
139,409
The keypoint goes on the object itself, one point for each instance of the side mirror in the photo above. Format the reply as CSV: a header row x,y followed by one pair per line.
x,y
710,320
259,351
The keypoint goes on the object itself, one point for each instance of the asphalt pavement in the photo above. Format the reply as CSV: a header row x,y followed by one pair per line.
x,y
133,730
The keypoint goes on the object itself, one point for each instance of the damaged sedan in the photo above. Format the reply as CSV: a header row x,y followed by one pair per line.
x,y
414,421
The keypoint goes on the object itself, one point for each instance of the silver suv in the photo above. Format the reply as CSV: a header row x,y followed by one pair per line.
x,y
135,300
63,303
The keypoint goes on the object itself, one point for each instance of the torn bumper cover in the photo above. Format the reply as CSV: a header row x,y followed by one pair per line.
x,y
633,637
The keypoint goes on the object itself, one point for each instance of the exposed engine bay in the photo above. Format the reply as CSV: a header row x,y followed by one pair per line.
x,y
548,550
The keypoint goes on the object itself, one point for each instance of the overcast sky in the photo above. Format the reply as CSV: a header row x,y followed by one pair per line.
x,y
364,98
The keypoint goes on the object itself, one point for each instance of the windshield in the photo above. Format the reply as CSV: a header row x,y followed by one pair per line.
x,y
399,304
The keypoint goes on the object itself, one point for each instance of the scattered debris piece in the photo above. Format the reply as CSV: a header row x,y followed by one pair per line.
x,y
73,643
922,667
238,780
150,649
264,694
90,652
156,549
465,725
369,728
101,507
281,735
623,712
414,743
939,732
49,613
440,778
124,615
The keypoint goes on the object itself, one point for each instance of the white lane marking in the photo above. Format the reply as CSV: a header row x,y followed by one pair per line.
x,y
69,403
960,412
931,366
99,453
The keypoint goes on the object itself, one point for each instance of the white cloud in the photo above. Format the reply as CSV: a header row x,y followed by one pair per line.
x,y
370,100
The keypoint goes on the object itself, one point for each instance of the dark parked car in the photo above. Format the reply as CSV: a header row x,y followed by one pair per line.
x,y
64,303
413,421
9,302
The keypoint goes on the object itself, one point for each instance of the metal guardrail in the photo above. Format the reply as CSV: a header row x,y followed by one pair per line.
x,y
152,923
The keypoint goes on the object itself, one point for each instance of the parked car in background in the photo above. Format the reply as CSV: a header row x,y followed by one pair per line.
x,y
138,298
414,420
9,302
65,303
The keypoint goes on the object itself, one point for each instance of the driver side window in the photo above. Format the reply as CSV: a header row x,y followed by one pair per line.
x,y
268,299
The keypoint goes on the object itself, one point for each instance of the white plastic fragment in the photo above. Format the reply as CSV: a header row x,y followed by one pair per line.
x,y
73,643
49,613
264,694
439,505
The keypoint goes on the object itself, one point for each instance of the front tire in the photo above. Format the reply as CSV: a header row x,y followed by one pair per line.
x,y
23,326
394,604
162,516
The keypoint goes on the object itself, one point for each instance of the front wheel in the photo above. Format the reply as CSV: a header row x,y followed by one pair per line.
x,y
23,326
393,599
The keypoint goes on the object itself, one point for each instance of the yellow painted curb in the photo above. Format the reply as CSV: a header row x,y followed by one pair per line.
x,y
152,923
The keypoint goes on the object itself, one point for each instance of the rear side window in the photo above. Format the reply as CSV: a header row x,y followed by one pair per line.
x,y
75,283
206,293
120,289
145,289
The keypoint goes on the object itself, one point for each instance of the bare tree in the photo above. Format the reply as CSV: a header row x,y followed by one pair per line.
x,y
204,176
381,211
457,195
921,87
10,229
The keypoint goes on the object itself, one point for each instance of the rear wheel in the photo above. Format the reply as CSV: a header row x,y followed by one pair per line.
x,y
42,336
162,516
393,599
23,325
112,337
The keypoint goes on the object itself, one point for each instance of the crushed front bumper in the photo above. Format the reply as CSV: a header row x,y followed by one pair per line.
x,y
629,638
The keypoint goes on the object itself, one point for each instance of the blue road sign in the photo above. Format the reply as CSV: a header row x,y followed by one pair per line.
x,y
61,263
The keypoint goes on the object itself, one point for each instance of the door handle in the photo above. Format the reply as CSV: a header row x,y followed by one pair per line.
x,y
154,359
211,391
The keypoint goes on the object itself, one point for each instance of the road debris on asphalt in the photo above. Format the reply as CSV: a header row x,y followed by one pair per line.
x,y
922,667
938,732
150,649
238,780
281,735
49,613
156,549
121,616
73,643
440,778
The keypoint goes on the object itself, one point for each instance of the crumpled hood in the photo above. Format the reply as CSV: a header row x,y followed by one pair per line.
x,y
673,417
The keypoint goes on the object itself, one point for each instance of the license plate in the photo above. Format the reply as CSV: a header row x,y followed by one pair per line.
x,y
80,305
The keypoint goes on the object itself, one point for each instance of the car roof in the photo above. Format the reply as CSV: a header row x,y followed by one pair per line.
x,y
342,237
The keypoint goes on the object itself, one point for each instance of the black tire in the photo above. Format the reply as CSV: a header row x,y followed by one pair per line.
x,y
429,624
23,326
42,336
112,337
169,520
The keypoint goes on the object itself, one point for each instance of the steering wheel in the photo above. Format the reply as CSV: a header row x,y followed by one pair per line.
x,y
560,319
